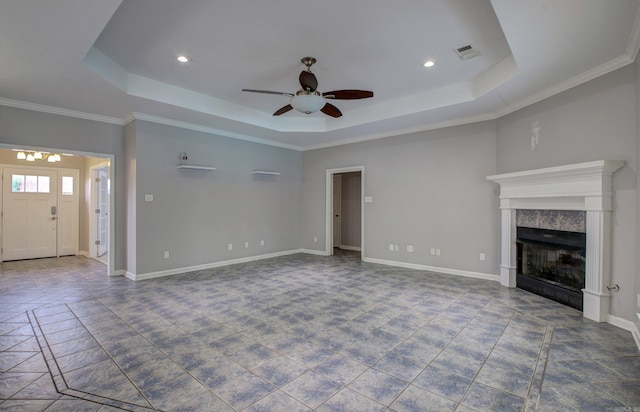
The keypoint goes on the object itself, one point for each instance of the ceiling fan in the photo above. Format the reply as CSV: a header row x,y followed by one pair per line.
x,y
308,99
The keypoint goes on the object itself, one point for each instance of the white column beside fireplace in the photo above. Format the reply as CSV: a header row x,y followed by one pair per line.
x,y
583,186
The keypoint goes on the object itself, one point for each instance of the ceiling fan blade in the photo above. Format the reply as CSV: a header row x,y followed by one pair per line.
x,y
268,92
331,110
283,110
348,94
308,81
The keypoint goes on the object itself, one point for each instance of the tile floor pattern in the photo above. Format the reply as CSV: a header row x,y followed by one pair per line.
x,y
299,333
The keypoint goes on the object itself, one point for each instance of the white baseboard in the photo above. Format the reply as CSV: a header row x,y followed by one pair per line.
x,y
477,275
176,271
626,325
354,248
314,252
119,272
84,253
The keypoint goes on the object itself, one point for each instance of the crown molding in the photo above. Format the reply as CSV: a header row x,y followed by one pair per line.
x,y
400,132
18,104
210,130
581,78
634,39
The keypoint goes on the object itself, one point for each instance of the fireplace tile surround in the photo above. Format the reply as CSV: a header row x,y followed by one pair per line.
x,y
582,187
567,220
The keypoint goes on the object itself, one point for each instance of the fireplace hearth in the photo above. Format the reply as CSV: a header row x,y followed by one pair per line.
x,y
551,263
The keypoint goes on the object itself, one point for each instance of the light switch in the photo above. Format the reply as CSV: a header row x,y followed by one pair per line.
x,y
148,197
368,199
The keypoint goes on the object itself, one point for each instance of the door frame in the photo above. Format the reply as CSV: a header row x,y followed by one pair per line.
x,y
110,158
337,234
93,232
329,207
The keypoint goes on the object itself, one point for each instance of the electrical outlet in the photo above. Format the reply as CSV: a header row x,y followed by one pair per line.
x,y
437,252
166,254
396,248
390,247
246,245
230,246
409,248
315,239
262,243
433,251
483,256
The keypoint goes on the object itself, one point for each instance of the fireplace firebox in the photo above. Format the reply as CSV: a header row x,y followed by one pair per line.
x,y
551,263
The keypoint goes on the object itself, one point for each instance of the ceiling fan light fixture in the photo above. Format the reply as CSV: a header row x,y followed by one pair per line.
x,y
307,102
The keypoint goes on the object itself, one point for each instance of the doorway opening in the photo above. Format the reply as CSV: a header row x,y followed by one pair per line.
x,y
345,211
70,184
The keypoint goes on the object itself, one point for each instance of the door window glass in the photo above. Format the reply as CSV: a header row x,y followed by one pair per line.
x,y
67,185
30,184
43,184
17,183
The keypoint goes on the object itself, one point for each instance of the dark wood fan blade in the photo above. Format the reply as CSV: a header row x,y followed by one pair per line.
x,y
348,94
268,92
308,81
331,110
283,110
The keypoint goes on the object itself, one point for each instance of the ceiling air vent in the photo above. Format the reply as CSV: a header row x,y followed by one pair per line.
x,y
467,52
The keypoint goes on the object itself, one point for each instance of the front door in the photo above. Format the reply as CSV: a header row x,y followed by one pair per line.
x,y
29,213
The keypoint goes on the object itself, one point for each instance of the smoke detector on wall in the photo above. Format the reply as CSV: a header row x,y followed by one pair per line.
x,y
466,52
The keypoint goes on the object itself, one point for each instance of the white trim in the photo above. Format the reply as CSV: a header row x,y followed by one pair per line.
x,y
18,104
210,130
626,325
354,248
581,78
448,271
400,132
314,252
169,272
119,272
329,206
84,253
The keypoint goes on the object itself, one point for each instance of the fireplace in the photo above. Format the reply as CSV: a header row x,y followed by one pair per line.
x,y
586,187
551,263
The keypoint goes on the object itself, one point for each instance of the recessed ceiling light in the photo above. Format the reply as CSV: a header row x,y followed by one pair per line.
x,y
429,63
183,59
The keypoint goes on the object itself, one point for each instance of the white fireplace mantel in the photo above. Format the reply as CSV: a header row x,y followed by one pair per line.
x,y
582,186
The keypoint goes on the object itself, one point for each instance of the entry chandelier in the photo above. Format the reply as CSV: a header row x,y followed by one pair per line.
x,y
35,155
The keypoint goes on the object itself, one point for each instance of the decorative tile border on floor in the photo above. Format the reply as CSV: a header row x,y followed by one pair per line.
x,y
535,390
59,381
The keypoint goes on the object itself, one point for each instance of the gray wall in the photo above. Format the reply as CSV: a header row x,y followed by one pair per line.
x,y
195,214
351,209
596,120
429,190
48,131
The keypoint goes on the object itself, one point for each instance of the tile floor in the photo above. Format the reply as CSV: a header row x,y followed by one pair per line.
x,y
299,333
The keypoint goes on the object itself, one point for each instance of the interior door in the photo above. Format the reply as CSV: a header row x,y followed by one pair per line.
x,y
337,210
102,213
30,213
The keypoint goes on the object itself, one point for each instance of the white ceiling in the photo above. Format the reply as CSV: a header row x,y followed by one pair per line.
x,y
115,60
